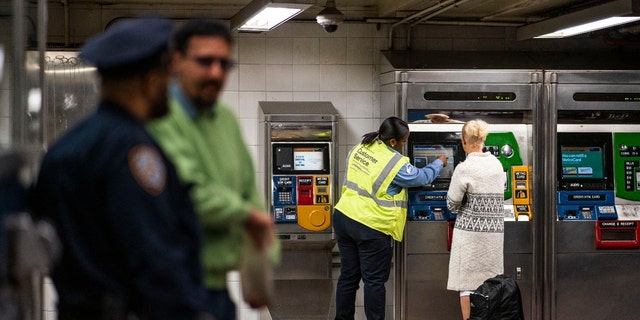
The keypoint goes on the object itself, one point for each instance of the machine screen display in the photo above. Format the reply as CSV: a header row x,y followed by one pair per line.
x,y
423,154
308,159
582,162
301,158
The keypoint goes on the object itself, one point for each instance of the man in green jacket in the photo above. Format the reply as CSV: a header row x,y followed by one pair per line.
x,y
203,139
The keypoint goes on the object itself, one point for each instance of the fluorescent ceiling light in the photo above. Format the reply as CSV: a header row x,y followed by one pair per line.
x,y
265,15
594,18
591,26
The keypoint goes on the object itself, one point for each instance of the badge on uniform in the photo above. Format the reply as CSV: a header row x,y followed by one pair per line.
x,y
148,169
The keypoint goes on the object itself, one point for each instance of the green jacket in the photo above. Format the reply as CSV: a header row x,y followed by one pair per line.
x,y
210,154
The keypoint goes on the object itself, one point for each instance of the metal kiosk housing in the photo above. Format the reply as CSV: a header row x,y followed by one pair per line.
x,y
300,146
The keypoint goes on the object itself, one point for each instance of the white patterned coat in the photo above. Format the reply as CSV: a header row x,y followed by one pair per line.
x,y
478,236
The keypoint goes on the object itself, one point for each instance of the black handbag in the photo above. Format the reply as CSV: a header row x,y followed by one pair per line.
x,y
498,298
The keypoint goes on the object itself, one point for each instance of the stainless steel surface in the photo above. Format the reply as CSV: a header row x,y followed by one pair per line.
x,y
299,111
544,198
589,279
423,257
427,266
70,92
303,281
585,282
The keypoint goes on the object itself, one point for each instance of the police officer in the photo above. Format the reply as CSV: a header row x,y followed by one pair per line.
x,y
130,236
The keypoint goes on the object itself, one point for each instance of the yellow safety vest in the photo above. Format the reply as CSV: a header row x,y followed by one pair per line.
x,y
371,169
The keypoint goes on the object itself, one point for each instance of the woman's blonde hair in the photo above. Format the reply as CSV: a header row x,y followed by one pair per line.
x,y
475,132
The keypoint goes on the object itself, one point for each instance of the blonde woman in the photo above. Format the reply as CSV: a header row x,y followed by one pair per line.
x,y
476,195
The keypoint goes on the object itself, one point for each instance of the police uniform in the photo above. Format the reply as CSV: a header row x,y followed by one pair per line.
x,y
130,236
11,201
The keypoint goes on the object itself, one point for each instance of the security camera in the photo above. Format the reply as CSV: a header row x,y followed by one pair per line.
x,y
330,17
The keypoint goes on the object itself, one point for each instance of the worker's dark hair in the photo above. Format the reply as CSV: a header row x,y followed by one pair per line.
x,y
390,128
198,27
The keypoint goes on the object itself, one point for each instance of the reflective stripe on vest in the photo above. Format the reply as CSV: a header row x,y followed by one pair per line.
x,y
364,194
377,184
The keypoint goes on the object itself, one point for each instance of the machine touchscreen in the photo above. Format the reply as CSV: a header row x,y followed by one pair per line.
x,y
585,161
582,162
423,154
301,158
308,159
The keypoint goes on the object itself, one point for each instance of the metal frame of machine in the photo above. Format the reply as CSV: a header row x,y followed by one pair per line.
x,y
591,263
498,96
299,145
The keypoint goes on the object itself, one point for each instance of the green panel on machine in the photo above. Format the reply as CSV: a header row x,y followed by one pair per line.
x,y
626,160
504,146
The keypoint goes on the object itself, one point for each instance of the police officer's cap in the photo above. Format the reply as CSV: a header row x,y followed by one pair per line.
x,y
127,43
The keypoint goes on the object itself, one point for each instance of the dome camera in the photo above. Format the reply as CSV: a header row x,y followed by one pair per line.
x,y
330,17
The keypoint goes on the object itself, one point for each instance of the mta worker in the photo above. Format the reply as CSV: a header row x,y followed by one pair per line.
x,y
131,239
203,138
372,212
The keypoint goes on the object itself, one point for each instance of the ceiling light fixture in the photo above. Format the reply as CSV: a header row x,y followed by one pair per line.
x,y
593,18
265,15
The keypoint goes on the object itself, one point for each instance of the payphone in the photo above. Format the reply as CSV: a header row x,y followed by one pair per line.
x,y
299,145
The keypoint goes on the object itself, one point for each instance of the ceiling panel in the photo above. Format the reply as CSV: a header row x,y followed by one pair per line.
x,y
516,12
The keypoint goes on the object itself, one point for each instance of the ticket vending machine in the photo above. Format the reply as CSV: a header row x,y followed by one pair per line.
x,y
507,100
595,256
300,140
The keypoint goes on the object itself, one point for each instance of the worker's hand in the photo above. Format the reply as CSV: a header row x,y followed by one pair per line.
x,y
261,228
444,160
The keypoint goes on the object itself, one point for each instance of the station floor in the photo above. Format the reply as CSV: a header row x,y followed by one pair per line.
x,y
244,311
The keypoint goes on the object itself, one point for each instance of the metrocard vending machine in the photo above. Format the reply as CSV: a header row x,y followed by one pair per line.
x,y
299,144
506,100
595,236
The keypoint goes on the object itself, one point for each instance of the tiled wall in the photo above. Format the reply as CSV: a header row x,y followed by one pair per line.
x,y
299,62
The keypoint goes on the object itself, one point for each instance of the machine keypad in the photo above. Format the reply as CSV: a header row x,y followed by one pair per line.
x,y
630,174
